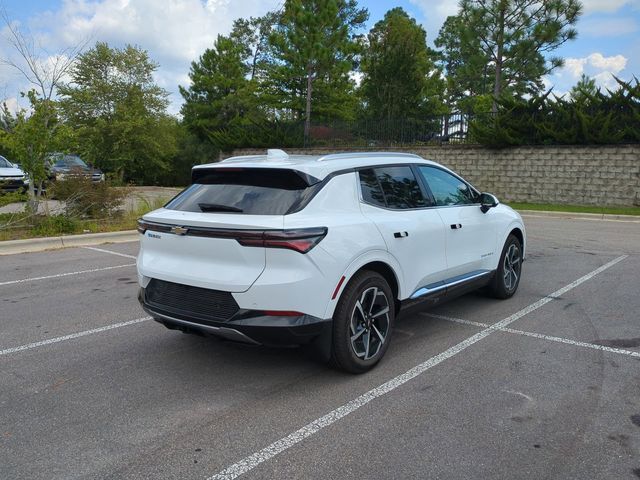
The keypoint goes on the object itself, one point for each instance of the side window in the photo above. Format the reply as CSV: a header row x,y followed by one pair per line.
x,y
446,188
393,187
371,191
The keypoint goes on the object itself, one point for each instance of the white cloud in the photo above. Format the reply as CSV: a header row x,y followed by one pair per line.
x,y
595,65
174,32
609,6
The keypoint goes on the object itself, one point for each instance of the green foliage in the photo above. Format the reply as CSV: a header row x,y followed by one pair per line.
x,y
590,118
259,134
504,44
49,226
584,89
118,112
12,197
219,92
31,136
399,75
315,46
85,199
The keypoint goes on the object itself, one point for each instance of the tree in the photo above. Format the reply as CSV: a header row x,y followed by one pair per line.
x,y
118,112
35,131
220,91
315,47
584,90
252,35
400,78
464,64
514,37
31,136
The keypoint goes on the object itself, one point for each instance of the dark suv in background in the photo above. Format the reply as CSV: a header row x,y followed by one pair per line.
x,y
61,166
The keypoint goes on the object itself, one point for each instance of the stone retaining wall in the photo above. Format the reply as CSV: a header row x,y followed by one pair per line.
x,y
580,175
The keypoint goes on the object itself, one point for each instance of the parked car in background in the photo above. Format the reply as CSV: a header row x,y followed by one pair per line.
x,y
61,166
12,178
281,250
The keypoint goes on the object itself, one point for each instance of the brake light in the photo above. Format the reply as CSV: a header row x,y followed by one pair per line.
x,y
300,240
142,226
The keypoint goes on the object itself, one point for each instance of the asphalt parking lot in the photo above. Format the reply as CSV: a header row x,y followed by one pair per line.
x,y
544,385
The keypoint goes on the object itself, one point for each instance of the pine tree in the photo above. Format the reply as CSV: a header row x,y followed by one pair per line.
x,y
315,47
400,79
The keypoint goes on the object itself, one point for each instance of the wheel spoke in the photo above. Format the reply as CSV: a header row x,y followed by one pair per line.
x,y
357,335
373,299
380,336
381,312
366,339
359,308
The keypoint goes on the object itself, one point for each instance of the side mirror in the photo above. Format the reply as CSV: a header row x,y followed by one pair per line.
x,y
487,201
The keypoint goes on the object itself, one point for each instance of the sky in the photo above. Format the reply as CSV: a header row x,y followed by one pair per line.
x,y
176,32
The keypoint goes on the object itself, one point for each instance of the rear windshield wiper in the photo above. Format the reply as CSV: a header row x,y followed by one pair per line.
x,y
214,207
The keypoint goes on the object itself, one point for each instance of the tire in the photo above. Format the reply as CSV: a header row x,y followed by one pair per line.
x,y
362,323
507,278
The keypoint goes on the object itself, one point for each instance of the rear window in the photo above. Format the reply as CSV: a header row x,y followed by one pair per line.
x,y
251,191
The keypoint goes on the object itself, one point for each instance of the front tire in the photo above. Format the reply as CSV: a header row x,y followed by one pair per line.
x,y
507,278
362,323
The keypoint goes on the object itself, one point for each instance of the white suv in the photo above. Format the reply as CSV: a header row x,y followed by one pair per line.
x,y
324,251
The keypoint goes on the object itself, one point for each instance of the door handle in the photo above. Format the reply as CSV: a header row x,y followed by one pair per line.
x,y
401,234
456,226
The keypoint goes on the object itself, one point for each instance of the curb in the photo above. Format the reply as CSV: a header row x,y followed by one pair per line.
x,y
582,216
10,247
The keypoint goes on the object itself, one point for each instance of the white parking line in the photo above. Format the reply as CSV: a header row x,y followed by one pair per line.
x,y
109,251
536,335
279,446
80,272
29,346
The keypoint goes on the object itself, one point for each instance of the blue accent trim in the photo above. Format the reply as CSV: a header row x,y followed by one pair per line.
x,y
449,282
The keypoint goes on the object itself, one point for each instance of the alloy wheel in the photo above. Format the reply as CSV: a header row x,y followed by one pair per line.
x,y
512,265
369,323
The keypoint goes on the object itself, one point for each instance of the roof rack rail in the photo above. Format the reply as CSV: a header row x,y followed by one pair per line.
x,y
340,156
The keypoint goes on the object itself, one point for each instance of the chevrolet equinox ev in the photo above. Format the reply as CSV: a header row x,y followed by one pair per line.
x,y
322,251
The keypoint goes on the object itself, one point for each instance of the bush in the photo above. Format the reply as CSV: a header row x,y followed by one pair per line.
x,y
611,117
85,199
55,225
12,197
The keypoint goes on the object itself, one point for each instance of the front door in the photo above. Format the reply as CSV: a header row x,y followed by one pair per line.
x,y
470,234
413,232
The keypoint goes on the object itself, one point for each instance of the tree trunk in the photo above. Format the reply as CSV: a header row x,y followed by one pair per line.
x,y
497,87
307,117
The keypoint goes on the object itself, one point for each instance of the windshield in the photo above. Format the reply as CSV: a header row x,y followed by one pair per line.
x,y
4,163
70,161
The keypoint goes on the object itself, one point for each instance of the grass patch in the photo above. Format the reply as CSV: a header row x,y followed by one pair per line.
x,y
545,207
12,197
17,226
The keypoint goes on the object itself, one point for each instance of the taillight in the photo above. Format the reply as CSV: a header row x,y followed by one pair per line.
x,y
142,226
301,240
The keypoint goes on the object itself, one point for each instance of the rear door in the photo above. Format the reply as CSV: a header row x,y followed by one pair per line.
x,y
470,234
210,215
413,232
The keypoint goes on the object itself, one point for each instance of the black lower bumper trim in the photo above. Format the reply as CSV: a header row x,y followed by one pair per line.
x,y
252,327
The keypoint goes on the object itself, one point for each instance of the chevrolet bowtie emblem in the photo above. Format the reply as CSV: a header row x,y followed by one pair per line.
x,y
179,230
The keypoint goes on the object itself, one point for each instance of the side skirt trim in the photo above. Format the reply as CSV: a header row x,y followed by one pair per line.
x,y
438,287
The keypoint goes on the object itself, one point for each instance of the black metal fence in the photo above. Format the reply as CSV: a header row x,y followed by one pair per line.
x,y
440,129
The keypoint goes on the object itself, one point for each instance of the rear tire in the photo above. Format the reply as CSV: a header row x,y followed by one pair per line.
x,y
507,278
362,323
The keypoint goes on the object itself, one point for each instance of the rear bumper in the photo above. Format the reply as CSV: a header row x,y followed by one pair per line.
x,y
247,326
